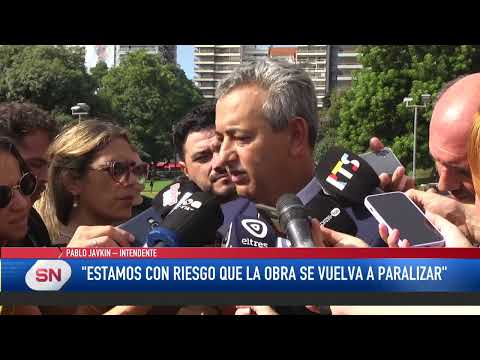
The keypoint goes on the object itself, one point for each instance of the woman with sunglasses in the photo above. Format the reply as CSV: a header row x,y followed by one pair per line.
x,y
95,176
16,187
94,179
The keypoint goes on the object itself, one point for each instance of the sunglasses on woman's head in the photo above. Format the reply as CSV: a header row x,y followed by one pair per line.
x,y
26,186
120,171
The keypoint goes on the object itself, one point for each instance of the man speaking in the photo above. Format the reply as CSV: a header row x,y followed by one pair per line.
x,y
267,124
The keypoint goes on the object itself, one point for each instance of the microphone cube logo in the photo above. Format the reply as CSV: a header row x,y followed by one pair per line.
x,y
191,205
48,275
335,212
332,179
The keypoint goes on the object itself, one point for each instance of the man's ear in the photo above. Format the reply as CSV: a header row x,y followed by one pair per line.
x,y
298,136
183,167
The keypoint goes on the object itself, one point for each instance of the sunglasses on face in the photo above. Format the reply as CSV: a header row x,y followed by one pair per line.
x,y
26,186
120,171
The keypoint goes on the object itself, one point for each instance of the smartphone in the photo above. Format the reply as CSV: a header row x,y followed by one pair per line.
x,y
141,225
383,161
397,211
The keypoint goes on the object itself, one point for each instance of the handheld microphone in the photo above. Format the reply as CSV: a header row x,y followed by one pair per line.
x,y
163,203
331,215
347,176
294,221
167,199
250,232
194,223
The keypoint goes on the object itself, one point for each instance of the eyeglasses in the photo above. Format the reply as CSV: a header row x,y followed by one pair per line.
x,y
120,171
26,186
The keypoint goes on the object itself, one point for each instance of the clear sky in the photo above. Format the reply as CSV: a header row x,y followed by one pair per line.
x,y
185,59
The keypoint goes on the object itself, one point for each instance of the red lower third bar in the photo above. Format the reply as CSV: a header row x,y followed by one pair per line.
x,y
236,253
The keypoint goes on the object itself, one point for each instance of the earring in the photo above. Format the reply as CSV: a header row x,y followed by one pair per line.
x,y
75,201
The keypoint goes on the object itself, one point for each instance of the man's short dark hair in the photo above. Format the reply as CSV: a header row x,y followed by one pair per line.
x,y
199,119
18,120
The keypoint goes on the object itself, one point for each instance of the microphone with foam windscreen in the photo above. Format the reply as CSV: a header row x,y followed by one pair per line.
x,y
347,176
331,215
294,221
194,223
166,200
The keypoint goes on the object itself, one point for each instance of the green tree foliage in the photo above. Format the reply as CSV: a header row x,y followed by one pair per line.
x,y
143,94
53,77
147,97
98,72
373,106
327,130
99,106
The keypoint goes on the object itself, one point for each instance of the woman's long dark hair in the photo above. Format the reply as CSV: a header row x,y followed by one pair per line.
x,y
7,145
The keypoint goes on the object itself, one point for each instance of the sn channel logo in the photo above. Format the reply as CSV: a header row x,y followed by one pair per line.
x,y
332,179
48,275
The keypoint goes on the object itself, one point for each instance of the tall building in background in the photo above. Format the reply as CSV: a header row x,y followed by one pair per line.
x,y
253,53
213,62
96,53
287,54
167,52
329,66
343,61
314,59
112,55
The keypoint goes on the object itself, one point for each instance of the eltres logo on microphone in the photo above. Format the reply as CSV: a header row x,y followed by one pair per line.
x,y
48,275
332,179
255,227
258,230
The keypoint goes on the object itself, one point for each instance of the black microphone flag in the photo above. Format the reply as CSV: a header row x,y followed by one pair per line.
x,y
346,175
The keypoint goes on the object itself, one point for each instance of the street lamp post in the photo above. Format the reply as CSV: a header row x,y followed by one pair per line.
x,y
80,109
173,144
407,101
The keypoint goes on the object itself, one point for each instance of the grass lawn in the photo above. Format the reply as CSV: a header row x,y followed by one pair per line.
x,y
423,177
157,186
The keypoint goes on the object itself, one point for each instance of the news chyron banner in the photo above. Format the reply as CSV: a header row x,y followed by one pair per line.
x,y
220,276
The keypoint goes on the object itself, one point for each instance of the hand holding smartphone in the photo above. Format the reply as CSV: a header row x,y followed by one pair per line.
x,y
140,226
383,161
396,211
